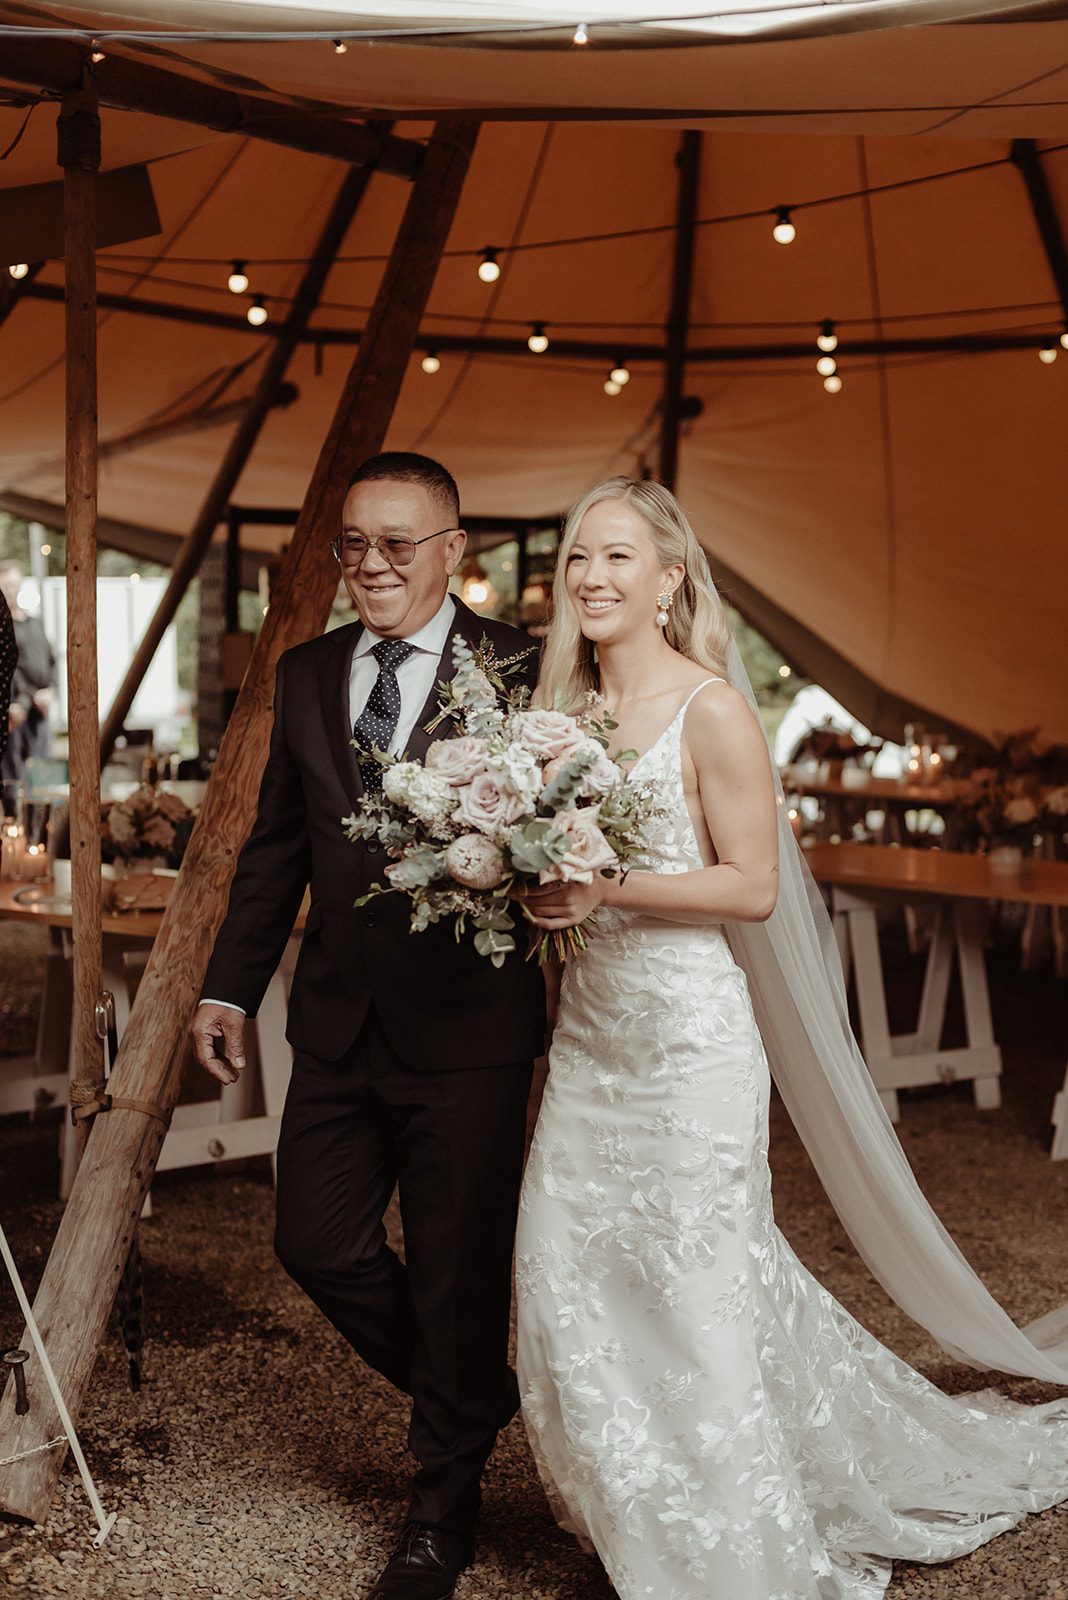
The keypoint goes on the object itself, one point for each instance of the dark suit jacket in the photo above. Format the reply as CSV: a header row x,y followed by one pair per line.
x,y
442,1006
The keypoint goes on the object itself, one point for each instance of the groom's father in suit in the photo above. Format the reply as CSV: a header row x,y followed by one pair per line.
x,y
412,1054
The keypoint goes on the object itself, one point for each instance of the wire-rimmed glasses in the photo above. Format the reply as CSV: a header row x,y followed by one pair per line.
x,y
396,548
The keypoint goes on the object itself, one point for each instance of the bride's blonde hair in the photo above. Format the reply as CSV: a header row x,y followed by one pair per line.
x,y
698,626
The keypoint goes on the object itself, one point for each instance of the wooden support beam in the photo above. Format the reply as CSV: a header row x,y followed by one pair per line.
x,y
1028,158
78,131
78,1286
263,398
57,64
688,161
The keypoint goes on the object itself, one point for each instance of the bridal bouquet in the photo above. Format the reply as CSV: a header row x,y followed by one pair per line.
x,y
519,797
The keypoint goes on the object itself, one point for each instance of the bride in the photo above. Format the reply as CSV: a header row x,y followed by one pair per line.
x,y
703,1413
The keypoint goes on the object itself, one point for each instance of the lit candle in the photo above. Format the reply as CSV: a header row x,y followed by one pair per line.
x,y
34,862
11,842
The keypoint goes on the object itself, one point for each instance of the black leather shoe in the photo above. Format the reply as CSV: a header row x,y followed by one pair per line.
x,y
424,1566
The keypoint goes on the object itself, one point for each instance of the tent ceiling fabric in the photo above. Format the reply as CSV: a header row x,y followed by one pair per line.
x,y
914,522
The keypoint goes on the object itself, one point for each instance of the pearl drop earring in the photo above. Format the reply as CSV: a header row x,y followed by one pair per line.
x,y
664,603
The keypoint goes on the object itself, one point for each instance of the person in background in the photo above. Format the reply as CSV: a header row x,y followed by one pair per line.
x,y
9,654
33,688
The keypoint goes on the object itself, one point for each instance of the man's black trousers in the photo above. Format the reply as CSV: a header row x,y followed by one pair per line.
x,y
437,1325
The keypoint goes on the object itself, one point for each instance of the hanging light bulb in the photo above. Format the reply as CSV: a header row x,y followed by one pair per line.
x,y
827,339
612,387
237,282
833,384
1064,341
581,35
539,339
257,312
21,269
431,362
488,269
340,47
96,55
826,366
619,374
1048,354
784,231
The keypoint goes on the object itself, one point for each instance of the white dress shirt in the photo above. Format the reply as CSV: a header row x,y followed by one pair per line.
x,y
415,678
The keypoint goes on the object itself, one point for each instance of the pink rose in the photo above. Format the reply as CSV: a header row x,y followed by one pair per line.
x,y
598,779
588,849
487,805
550,734
457,760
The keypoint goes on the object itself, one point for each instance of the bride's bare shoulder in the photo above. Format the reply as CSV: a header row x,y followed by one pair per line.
x,y
720,713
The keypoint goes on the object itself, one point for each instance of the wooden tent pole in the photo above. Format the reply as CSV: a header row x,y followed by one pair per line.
x,y
263,398
678,323
79,1281
78,133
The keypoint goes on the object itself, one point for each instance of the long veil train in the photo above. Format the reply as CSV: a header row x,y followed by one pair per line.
x,y
798,993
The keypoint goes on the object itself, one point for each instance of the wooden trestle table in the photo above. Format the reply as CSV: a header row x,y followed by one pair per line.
x,y
222,1128
865,878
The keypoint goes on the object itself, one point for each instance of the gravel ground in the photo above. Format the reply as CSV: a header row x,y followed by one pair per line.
x,y
261,1460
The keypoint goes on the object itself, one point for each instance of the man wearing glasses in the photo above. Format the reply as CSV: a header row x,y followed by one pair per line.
x,y
411,1055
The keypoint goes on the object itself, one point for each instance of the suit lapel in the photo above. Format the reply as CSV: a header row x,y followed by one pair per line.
x,y
335,670
470,626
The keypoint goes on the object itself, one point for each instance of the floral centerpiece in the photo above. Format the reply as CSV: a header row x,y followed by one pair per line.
x,y
152,826
835,746
519,796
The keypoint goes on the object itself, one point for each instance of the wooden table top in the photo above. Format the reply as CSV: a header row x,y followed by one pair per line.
x,y
934,795
937,872
130,924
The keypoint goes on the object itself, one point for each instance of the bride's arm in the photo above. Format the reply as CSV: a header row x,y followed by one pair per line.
x,y
738,801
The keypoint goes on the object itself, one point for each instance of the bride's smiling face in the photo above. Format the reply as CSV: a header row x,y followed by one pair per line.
x,y
614,573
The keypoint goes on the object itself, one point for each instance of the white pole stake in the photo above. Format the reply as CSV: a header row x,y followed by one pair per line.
x,y
105,1523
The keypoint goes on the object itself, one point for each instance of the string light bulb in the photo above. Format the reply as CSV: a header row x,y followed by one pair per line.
x,y
488,268
96,55
833,384
581,35
612,387
256,314
784,231
1048,354
620,374
237,282
826,366
21,269
431,363
827,339
539,339
340,47
1064,340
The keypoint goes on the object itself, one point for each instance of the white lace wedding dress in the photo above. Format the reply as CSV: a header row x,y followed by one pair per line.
x,y
702,1412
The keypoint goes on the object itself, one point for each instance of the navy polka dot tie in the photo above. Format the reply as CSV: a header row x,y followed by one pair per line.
x,y
377,722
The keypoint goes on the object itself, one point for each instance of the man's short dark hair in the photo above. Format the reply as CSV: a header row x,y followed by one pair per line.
x,y
404,466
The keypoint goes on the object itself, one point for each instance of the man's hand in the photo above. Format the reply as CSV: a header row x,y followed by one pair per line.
x,y
219,1040
44,699
562,905
16,715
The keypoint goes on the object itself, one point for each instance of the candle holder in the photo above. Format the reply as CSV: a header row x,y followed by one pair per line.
x,y
36,835
12,836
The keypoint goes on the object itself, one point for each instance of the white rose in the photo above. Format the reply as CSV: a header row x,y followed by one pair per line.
x,y
428,797
457,760
488,804
475,861
517,770
550,734
588,850
599,778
